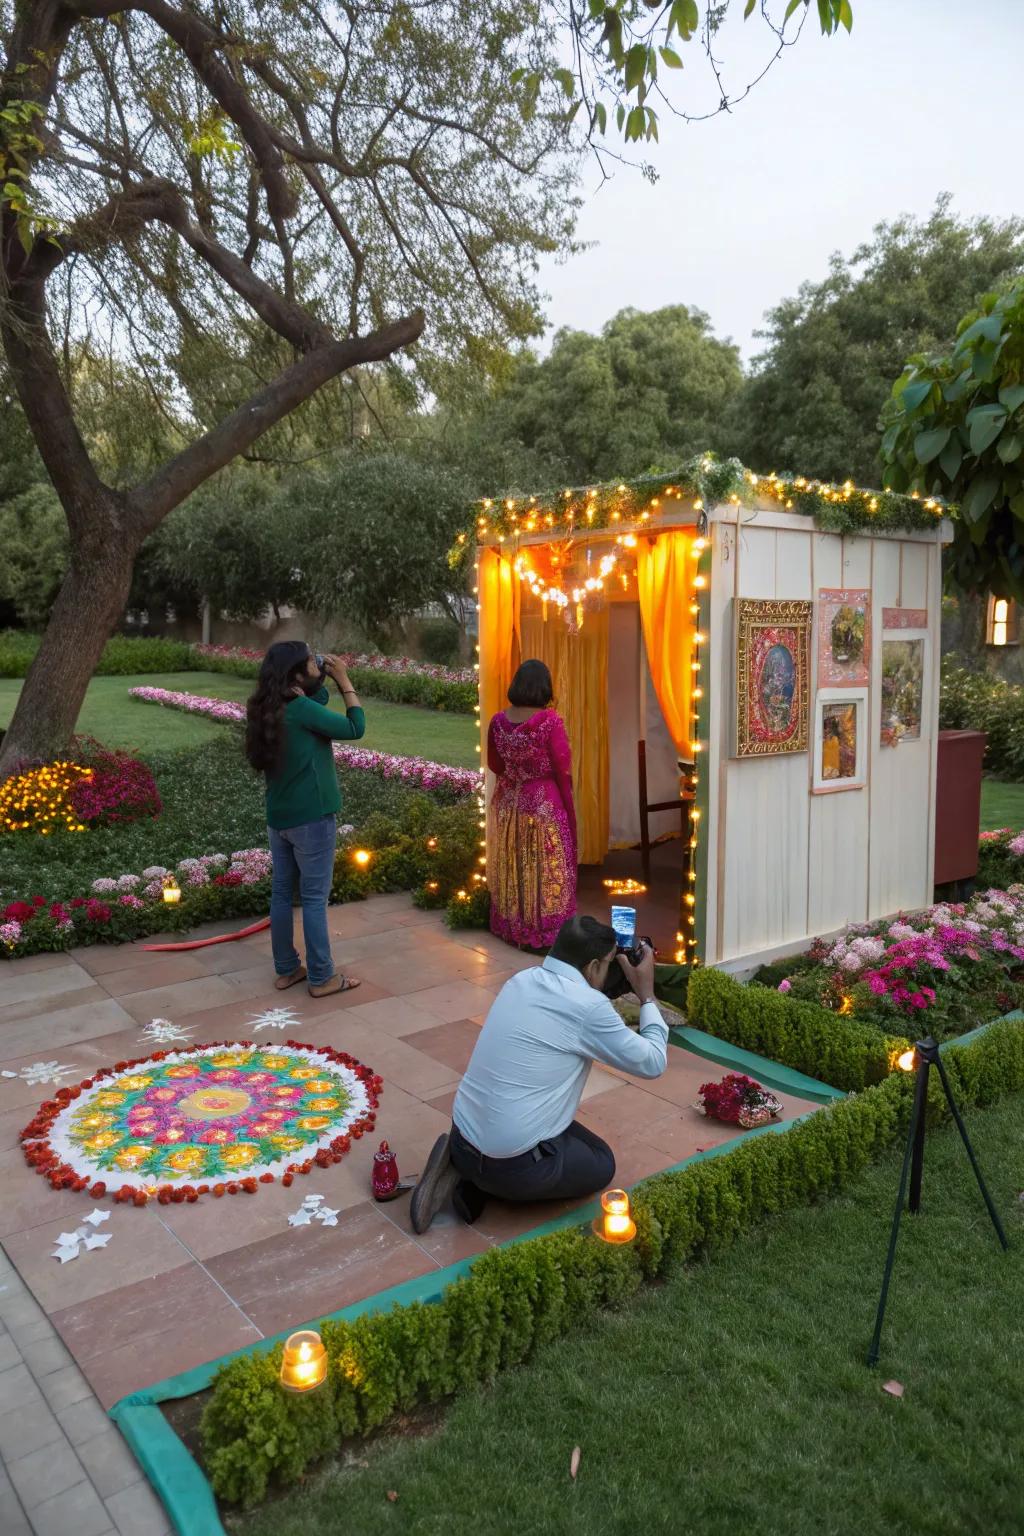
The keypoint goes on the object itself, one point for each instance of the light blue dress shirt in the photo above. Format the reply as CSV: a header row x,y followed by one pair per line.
x,y
529,1067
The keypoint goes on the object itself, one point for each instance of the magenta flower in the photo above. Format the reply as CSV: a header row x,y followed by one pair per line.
x,y
785,985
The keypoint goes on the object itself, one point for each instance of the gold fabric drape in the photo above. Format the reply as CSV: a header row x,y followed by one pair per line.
x,y
579,670
664,577
499,635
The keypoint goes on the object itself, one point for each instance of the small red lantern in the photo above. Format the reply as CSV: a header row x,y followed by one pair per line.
x,y
385,1173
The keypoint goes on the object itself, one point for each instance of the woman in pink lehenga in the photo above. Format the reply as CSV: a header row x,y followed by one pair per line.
x,y
532,858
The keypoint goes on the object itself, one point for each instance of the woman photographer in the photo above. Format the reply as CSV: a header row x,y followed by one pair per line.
x,y
288,738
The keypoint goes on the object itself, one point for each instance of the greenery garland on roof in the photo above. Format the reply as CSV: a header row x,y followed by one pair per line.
x,y
705,481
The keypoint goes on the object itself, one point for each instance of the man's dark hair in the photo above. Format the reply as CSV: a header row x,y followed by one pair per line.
x,y
531,687
581,940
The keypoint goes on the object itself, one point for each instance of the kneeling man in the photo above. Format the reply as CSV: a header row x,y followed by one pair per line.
x,y
513,1133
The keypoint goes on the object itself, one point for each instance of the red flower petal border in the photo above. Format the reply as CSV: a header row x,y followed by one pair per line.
x,y
326,1100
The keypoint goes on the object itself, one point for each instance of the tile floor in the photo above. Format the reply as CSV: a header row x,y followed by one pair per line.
x,y
182,1284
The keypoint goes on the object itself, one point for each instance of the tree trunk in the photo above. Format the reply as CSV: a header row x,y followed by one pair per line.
x,y
89,604
205,611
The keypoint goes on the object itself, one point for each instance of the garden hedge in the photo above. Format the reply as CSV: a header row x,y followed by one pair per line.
x,y
844,1052
978,701
515,1298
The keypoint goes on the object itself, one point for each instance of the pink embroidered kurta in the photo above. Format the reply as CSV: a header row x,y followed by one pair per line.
x,y
532,857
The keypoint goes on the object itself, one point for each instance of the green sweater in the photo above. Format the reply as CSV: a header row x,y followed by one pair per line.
x,y
307,786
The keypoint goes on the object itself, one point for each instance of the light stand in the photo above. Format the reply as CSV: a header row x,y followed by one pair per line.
x,y
925,1055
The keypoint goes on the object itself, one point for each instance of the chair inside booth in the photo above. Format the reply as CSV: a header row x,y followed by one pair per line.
x,y
580,611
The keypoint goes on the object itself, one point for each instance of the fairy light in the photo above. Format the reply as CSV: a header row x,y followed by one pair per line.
x,y
686,938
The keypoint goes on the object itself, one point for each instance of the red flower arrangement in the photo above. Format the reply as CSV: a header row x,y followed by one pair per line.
x,y
41,1156
120,789
738,1100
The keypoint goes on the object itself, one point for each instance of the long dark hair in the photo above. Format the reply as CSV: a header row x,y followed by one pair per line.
x,y
531,687
264,712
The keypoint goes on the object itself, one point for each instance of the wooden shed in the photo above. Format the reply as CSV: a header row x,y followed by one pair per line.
x,y
748,668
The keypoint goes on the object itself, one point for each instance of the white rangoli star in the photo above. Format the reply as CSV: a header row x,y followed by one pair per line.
x,y
98,1239
64,1254
163,1032
312,1201
327,1217
300,1218
274,1018
96,1217
44,1072
71,1239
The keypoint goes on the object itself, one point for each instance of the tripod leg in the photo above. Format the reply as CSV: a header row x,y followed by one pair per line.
x,y
916,1114
970,1153
920,1121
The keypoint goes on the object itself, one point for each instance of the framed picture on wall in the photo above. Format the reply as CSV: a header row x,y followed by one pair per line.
x,y
773,643
840,739
844,636
902,687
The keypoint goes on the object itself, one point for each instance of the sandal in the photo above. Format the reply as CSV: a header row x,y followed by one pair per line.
x,y
336,984
283,982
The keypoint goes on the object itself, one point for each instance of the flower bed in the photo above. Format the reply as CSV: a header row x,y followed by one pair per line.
x,y
941,971
1001,858
396,678
256,1436
417,771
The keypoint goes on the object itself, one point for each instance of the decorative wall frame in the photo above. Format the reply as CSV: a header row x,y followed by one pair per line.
x,y
904,618
902,706
773,645
844,636
840,740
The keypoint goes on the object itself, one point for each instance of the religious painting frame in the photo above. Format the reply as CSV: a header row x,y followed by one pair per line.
x,y
844,637
773,655
902,686
840,740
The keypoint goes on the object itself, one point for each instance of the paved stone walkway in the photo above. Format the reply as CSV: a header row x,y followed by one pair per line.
x,y
64,1468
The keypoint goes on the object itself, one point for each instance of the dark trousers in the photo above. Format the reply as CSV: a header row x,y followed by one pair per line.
x,y
572,1165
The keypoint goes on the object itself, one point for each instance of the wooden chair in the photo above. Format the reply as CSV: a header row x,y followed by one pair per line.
x,y
687,795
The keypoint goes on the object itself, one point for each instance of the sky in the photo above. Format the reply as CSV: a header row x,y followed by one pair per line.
x,y
924,97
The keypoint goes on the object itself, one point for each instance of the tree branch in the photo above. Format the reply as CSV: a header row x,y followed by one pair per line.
x,y
155,497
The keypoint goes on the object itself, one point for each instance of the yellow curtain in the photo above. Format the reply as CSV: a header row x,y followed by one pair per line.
x,y
664,575
499,635
579,670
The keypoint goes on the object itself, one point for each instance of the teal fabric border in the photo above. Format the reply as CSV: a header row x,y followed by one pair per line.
x,y
174,1473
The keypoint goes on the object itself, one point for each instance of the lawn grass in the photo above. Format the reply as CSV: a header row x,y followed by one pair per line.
x,y
1002,805
117,720
736,1399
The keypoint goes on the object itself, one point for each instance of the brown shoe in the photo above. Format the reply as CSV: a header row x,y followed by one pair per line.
x,y
435,1188
283,982
335,984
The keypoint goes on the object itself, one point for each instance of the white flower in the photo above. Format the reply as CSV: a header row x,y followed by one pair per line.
x,y
155,872
128,882
103,886
851,961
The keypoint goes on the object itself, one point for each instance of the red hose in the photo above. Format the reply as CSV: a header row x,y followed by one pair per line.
x,y
220,938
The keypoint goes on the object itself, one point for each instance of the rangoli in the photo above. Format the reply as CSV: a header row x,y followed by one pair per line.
x,y
214,1119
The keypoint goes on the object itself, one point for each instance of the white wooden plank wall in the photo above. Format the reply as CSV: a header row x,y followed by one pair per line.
x,y
784,864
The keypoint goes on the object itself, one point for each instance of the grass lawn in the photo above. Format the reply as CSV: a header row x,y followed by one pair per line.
x,y
736,1399
119,721
1002,805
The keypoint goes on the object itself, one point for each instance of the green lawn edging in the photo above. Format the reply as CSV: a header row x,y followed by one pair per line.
x,y
769,1073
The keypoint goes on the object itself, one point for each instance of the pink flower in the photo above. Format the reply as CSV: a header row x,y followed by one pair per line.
x,y
131,901
785,985
10,932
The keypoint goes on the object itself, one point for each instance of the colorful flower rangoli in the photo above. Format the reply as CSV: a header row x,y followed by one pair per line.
x,y
213,1119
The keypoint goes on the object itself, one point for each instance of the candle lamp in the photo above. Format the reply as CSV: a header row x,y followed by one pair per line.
x,y
304,1362
615,1224
172,891
362,857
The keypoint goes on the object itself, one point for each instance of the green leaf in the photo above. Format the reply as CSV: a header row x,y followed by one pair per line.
x,y
636,66
915,394
929,444
983,363
846,14
951,457
636,122
620,116
985,423
1009,448
749,8
670,58
980,495
957,387
1012,396
601,117
986,328
791,7
567,80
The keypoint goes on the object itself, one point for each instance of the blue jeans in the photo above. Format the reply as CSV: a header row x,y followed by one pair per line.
x,y
306,851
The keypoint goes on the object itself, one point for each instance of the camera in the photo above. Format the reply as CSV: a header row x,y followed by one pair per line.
x,y
616,985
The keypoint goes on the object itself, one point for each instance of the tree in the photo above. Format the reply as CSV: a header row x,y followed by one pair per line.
x,y
813,400
954,427
372,538
652,387
248,198
33,553
321,184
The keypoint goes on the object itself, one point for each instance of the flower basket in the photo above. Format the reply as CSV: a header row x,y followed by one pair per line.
x,y
738,1100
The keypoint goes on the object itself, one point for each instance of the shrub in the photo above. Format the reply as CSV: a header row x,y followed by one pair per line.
x,y
121,788
439,641
123,655
977,701
1000,862
844,1052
